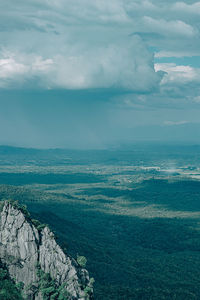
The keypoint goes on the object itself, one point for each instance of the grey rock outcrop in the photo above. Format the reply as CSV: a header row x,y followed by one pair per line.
x,y
23,248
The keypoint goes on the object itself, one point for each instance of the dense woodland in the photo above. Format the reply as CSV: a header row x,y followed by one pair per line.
x,y
8,289
141,241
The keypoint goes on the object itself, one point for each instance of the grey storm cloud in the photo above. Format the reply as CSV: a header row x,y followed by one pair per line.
x,y
72,45
91,43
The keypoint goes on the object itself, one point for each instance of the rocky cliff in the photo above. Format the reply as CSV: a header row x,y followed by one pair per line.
x,y
35,260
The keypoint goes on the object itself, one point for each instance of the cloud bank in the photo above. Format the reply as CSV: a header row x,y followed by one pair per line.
x,y
87,44
72,45
127,65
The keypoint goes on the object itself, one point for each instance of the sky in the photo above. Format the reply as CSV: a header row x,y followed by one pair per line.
x,y
97,74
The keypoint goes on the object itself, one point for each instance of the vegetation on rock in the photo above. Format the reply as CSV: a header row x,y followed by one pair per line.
x,y
8,289
49,288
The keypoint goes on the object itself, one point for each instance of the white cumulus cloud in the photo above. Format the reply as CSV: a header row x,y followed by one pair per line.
x,y
177,73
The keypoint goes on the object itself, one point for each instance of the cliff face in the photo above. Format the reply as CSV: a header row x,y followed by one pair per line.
x,y
30,253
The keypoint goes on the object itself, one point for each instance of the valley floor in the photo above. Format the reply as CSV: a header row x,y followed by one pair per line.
x,y
133,214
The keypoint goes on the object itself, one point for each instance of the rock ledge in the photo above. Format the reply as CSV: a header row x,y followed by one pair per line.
x,y
25,250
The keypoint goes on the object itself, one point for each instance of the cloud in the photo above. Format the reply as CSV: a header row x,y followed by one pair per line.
x,y
165,27
126,65
175,123
196,99
88,72
169,28
193,8
179,54
83,44
178,74
73,45
9,68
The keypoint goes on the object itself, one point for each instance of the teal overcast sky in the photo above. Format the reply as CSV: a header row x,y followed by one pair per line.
x,y
97,73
